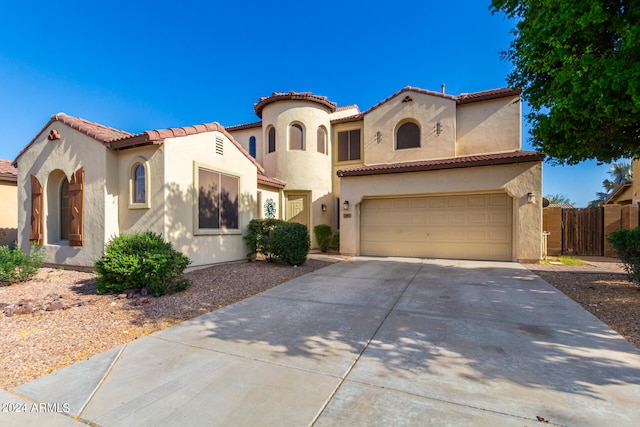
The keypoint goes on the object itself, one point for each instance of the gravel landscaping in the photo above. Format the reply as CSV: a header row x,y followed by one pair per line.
x,y
56,319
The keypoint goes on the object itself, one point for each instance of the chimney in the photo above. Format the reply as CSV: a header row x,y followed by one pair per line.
x,y
443,86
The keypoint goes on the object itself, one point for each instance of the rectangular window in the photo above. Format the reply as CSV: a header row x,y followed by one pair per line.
x,y
349,145
217,200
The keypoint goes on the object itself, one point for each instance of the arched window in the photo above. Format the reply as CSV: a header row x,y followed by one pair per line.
x,y
139,184
64,210
408,136
271,139
296,137
322,140
252,146
139,181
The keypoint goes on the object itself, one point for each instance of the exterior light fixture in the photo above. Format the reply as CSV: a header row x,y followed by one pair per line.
x,y
345,205
531,198
323,207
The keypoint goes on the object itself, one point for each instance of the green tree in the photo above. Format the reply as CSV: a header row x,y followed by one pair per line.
x,y
619,172
558,199
578,64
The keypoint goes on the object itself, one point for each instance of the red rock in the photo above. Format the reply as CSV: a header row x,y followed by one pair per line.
x,y
54,306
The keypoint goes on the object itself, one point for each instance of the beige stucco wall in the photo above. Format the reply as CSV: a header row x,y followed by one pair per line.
x,y
182,157
8,212
151,217
242,137
516,180
47,160
273,194
425,110
301,170
489,127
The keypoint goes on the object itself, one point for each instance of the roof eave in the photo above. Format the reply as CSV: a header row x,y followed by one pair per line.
x,y
423,167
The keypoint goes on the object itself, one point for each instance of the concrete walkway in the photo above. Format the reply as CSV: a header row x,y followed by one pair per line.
x,y
362,342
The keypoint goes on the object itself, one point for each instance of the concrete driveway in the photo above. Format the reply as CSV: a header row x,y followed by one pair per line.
x,y
363,342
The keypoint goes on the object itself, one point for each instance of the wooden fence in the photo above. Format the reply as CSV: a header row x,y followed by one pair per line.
x,y
583,231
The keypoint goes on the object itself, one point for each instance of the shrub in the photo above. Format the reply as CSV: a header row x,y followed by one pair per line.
x,y
17,266
322,234
257,236
289,241
334,242
626,243
138,260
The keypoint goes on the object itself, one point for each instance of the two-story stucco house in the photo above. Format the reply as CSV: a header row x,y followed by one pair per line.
x,y
421,173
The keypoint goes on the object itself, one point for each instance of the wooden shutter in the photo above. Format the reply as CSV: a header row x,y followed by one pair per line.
x,y
37,218
76,206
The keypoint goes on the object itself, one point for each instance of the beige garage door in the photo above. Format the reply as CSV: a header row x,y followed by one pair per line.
x,y
451,226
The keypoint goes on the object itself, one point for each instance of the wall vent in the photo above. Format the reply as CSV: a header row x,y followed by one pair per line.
x,y
219,145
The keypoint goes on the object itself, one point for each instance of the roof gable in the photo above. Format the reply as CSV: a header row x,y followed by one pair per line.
x,y
465,98
101,133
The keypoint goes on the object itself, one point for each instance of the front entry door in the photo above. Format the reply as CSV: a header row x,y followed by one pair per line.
x,y
297,208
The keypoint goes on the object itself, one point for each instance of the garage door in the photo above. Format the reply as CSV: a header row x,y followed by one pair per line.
x,y
450,226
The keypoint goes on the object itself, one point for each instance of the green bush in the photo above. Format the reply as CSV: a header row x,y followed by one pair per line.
x,y
289,242
322,234
334,241
16,266
257,236
626,243
140,260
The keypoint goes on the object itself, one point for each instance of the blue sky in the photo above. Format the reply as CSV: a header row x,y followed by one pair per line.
x,y
140,65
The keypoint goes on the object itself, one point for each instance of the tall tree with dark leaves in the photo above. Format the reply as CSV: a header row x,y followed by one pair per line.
x,y
578,64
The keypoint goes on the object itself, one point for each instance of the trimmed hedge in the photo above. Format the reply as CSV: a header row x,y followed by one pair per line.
x,y
626,243
139,260
257,236
290,243
323,235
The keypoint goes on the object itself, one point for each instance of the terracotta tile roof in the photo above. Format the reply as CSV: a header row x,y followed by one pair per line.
x,y
95,130
119,140
271,182
244,126
354,118
101,133
157,137
347,107
8,172
451,163
293,96
465,98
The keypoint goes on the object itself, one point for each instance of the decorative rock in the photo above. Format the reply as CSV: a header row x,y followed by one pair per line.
x,y
140,301
3,305
144,292
25,301
122,296
8,311
56,305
